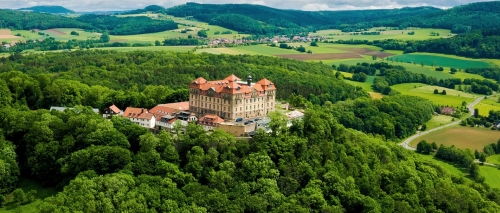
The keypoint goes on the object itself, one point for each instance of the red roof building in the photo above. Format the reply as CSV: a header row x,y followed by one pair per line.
x,y
232,98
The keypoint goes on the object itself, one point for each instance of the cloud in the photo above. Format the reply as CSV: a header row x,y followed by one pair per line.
x,y
309,5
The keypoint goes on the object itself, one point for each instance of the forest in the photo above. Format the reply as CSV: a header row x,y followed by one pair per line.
x,y
18,20
129,70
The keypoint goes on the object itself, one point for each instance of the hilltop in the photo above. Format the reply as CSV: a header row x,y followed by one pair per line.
x,y
48,9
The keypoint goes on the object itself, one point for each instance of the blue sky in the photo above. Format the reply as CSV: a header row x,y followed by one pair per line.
x,y
311,5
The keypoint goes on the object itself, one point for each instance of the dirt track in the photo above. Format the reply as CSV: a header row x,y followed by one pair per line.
x,y
320,56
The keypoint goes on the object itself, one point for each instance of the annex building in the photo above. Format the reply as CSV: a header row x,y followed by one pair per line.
x,y
232,98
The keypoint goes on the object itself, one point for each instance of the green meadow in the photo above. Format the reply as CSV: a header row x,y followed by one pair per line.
x,y
263,49
438,120
420,34
486,105
452,98
440,60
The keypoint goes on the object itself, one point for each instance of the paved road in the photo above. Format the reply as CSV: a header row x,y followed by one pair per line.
x,y
489,164
418,134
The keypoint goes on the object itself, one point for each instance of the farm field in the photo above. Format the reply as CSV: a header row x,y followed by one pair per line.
x,y
441,60
452,98
438,120
150,37
473,138
211,28
420,34
220,50
6,35
494,159
265,50
367,85
151,48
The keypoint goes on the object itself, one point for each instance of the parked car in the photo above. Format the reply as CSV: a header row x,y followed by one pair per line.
x,y
258,119
249,122
239,119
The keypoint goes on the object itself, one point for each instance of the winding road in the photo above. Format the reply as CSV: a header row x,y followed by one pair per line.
x,y
406,142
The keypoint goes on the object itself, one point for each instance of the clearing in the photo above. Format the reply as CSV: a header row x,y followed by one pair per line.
x,y
441,60
452,98
473,138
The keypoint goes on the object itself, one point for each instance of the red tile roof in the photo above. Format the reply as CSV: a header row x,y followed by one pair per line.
x,y
115,109
209,118
142,113
184,106
161,110
230,86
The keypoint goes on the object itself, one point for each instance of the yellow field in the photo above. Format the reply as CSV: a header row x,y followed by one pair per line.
x,y
486,105
462,137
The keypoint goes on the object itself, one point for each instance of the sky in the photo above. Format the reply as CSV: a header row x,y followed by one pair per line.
x,y
309,5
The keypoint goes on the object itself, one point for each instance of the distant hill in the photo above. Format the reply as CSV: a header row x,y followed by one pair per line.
x,y
48,9
150,8
258,19
20,20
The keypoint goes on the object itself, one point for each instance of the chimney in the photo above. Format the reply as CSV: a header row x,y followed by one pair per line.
x,y
142,111
249,80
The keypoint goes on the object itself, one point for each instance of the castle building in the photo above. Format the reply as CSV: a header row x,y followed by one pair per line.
x,y
232,98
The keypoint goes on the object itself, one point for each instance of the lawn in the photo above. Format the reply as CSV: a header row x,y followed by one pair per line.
x,y
420,34
452,98
441,60
438,120
27,185
462,137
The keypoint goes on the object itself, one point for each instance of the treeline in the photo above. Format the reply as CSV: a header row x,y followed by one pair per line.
x,y
473,44
52,44
181,41
122,71
490,72
126,26
46,90
18,20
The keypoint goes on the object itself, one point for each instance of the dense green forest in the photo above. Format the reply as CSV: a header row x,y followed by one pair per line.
x,y
315,165
101,23
48,9
122,71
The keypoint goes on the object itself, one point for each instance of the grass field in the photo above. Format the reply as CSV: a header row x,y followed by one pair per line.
x,y
27,185
491,175
495,159
441,60
211,28
220,50
438,120
452,98
151,48
462,137
420,34
264,50
367,85
486,105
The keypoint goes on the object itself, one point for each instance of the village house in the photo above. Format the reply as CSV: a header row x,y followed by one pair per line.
x,y
208,122
140,116
447,110
111,111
